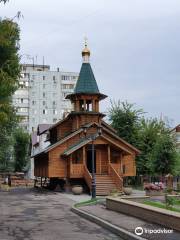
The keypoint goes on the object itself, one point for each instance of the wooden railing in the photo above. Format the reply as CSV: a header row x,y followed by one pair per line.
x,y
87,177
116,167
77,170
115,176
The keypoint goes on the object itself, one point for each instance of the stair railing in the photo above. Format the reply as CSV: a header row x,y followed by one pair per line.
x,y
87,177
115,176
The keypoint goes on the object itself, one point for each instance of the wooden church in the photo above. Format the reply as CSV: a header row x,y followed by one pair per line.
x,y
69,155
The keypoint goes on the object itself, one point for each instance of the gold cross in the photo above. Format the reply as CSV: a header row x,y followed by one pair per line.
x,y
85,41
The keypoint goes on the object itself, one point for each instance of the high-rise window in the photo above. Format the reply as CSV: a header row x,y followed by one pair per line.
x,y
54,111
43,77
44,94
23,109
67,86
44,111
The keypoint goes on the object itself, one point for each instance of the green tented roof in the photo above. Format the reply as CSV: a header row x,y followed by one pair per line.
x,y
86,82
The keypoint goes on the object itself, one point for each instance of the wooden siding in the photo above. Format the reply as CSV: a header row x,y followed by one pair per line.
x,y
64,128
103,158
77,170
85,119
128,161
57,165
41,166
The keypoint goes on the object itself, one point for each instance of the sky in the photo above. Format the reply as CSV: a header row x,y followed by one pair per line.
x,y
135,46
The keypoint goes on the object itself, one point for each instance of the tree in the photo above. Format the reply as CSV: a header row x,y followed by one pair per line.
x,y
21,149
151,136
176,169
126,120
164,154
9,73
157,148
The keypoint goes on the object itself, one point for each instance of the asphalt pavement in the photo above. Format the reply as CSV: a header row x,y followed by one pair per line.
x,y
31,215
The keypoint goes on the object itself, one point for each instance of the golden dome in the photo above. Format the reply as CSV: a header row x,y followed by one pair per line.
x,y
86,51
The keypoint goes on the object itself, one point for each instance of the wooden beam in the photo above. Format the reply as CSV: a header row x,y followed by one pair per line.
x,y
70,165
109,154
121,165
99,158
84,155
93,105
84,102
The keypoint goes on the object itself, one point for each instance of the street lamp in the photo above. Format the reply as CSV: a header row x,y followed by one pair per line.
x,y
93,138
93,186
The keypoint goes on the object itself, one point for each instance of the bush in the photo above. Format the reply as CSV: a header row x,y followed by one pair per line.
x,y
170,201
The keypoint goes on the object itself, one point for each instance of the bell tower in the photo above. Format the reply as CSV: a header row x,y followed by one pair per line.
x,y
86,95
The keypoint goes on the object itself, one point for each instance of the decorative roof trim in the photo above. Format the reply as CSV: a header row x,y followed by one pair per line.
x,y
122,140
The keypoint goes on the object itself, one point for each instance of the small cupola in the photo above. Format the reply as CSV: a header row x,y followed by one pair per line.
x,y
86,94
86,53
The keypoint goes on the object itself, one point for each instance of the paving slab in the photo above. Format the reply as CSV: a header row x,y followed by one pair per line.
x,y
129,223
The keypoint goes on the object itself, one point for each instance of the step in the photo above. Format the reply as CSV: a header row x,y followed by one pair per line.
x,y
105,186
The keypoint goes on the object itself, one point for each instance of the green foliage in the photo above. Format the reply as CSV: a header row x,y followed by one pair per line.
x,y
147,137
164,154
151,136
176,167
88,202
126,120
169,201
158,154
161,205
9,72
21,149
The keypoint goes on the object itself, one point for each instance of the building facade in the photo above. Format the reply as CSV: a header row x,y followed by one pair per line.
x,y
40,98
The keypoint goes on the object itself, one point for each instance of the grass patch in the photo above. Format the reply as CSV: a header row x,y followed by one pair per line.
x,y
177,202
161,205
88,202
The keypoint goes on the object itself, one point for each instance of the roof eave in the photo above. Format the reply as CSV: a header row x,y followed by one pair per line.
x,y
73,95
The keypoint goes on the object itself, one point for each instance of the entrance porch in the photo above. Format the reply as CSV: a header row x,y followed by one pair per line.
x,y
108,167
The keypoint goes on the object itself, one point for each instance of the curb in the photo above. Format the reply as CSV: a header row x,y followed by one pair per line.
x,y
114,229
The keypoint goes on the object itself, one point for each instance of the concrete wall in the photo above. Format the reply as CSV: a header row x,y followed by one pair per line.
x,y
160,216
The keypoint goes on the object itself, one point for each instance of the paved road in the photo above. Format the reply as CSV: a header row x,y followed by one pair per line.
x,y
38,216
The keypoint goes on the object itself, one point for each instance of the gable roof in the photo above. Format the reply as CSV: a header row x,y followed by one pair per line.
x,y
34,139
76,146
86,82
43,128
176,129
88,138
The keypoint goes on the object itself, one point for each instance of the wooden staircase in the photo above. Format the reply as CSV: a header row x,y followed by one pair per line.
x,y
104,185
